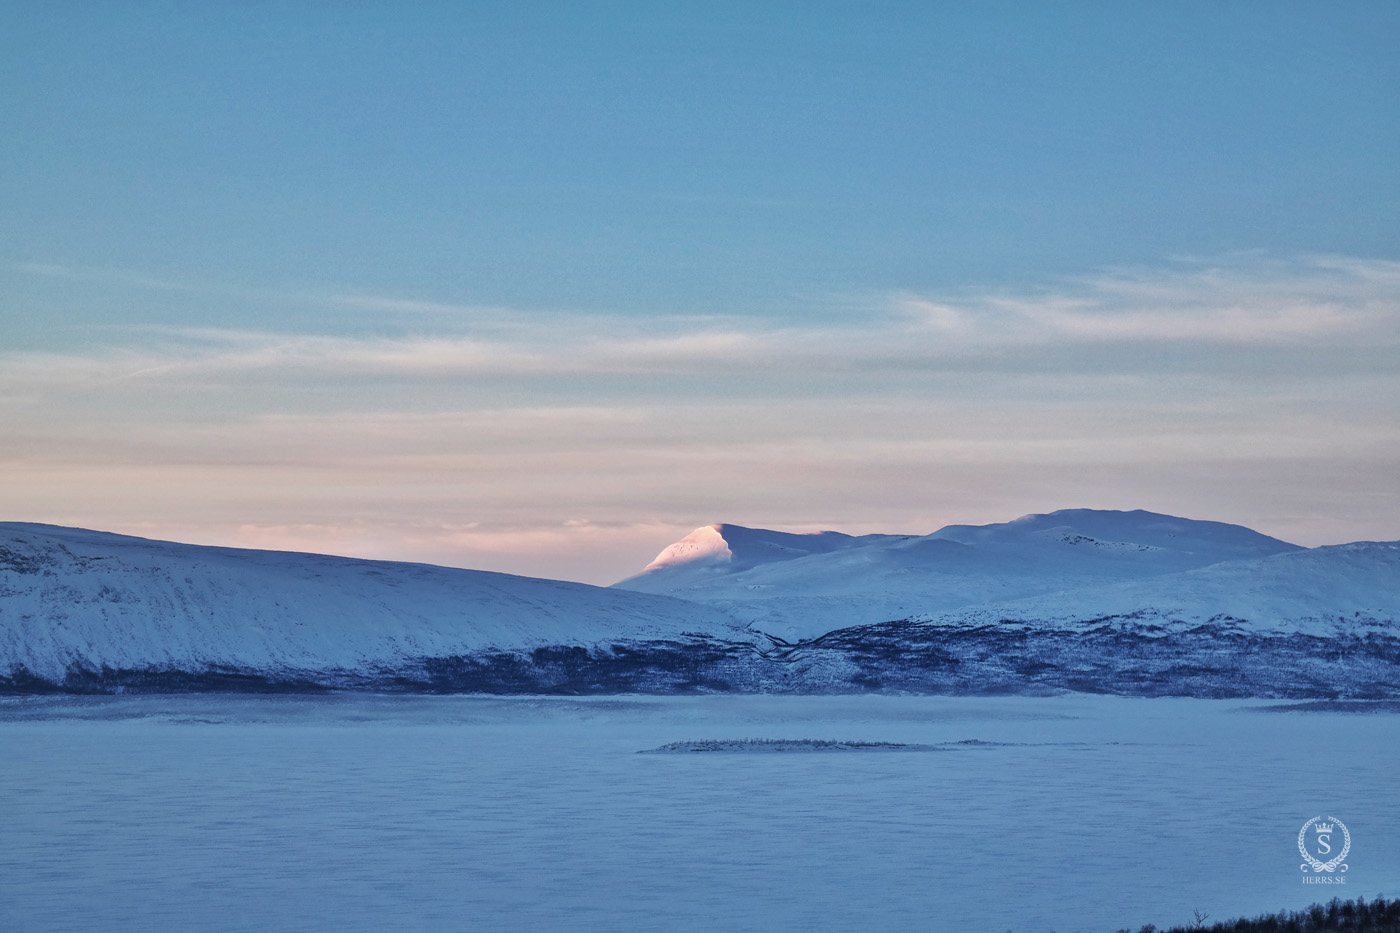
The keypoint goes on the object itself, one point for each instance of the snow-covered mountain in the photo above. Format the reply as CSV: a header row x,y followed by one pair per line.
x,y
1345,589
1121,602
1320,623
800,586
74,600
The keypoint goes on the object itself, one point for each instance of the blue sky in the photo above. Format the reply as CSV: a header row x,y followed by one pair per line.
x,y
539,287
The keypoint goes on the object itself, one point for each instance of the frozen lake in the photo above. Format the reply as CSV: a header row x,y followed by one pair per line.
x,y
447,813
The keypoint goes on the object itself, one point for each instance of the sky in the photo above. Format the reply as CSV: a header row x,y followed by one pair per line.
x,y
541,287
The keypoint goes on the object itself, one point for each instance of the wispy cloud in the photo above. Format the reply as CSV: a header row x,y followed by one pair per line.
x,y
345,300
1315,305
479,315
1319,303
1247,303
121,276
1237,386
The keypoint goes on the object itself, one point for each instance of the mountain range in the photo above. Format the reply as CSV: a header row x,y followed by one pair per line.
x,y
800,586
1123,602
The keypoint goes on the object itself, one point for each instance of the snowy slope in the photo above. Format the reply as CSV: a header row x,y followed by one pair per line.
x,y
72,598
1346,589
799,586
1320,624
713,551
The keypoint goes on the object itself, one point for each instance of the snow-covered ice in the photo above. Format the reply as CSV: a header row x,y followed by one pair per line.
x,y
364,812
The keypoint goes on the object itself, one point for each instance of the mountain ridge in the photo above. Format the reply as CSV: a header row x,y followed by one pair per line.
x,y
1134,603
93,599
798,586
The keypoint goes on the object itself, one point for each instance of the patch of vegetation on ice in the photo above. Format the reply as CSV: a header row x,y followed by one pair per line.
x,y
783,745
